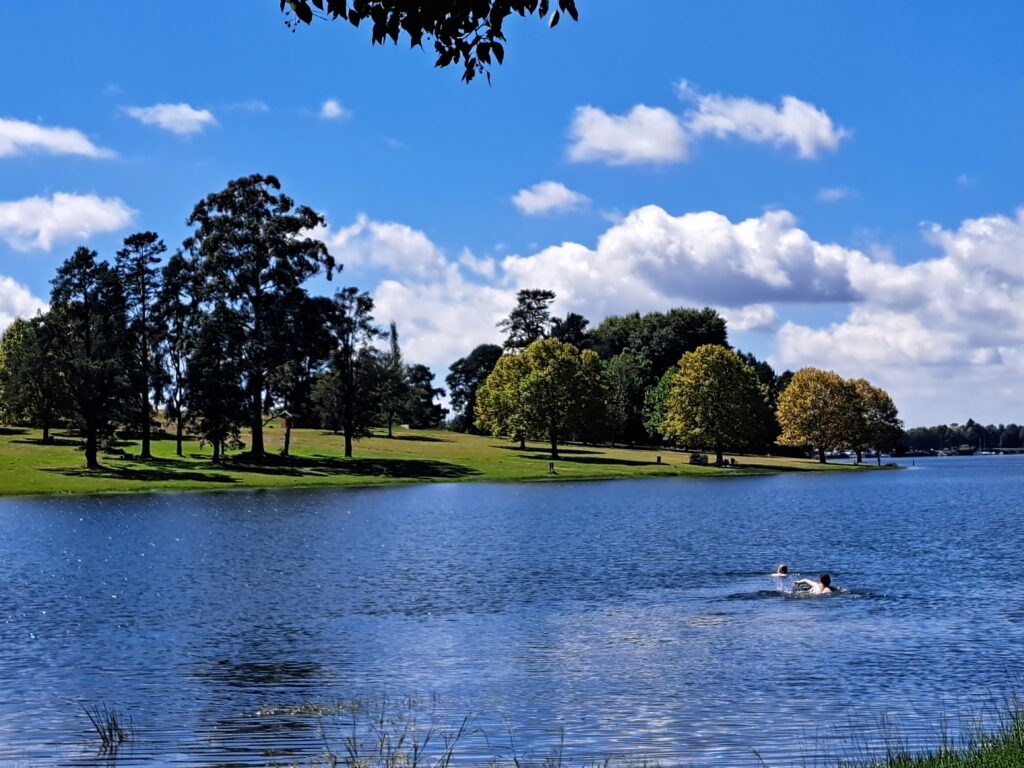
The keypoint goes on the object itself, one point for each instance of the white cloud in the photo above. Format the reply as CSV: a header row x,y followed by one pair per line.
x,y
657,136
944,335
834,194
795,122
16,301
39,222
181,119
651,260
18,137
645,135
252,105
753,317
332,110
937,331
548,197
396,247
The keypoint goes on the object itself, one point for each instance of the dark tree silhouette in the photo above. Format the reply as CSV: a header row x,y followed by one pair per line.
x,y
136,265
178,314
530,320
470,32
253,255
464,379
87,308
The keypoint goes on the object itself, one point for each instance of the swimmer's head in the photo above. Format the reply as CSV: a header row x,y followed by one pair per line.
x,y
782,568
825,580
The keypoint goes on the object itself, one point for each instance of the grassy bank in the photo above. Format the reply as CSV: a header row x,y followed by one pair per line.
x,y
27,466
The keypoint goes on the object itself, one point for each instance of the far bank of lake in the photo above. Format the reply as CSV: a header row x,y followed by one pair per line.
x,y
29,467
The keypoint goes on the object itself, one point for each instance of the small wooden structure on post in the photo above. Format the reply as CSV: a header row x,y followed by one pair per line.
x,y
287,419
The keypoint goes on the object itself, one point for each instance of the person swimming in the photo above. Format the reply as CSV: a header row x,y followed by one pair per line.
x,y
781,571
821,587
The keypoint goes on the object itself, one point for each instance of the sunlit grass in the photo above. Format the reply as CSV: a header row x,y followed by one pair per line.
x,y
27,466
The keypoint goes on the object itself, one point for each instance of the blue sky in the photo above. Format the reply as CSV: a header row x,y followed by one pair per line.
x,y
840,179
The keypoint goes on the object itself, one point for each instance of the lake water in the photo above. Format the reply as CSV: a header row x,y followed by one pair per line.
x,y
631,619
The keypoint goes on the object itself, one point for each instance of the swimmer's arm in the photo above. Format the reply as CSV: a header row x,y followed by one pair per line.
x,y
806,582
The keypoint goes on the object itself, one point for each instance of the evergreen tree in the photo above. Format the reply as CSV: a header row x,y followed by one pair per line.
x,y
87,308
136,265
253,256
530,319
466,376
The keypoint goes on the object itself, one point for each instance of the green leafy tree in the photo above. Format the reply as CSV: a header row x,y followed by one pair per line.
x,y
470,32
571,330
87,308
348,395
538,394
465,377
179,314
32,388
290,385
712,400
215,398
655,403
628,376
136,265
422,411
499,400
393,382
819,409
253,255
661,337
530,319
876,423
592,424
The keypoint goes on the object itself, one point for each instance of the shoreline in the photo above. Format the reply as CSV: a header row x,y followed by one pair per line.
x,y
31,469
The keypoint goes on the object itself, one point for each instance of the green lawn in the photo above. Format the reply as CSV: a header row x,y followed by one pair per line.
x,y
27,466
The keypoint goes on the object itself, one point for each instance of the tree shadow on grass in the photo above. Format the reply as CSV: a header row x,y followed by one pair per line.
x,y
73,442
148,474
546,451
593,460
331,466
12,431
416,438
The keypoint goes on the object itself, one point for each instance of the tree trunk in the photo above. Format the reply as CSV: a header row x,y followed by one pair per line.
x,y
257,451
91,446
348,444
389,425
522,443
46,428
216,452
860,456
146,410
821,455
719,457
879,457
554,445
179,431
287,436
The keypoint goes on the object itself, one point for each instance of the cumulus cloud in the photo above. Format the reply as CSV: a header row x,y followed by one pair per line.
x,y
396,247
332,110
18,137
934,330
548,197
181,119
753,317
17,301
657,136
39,222
809,129
645,135
650,260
